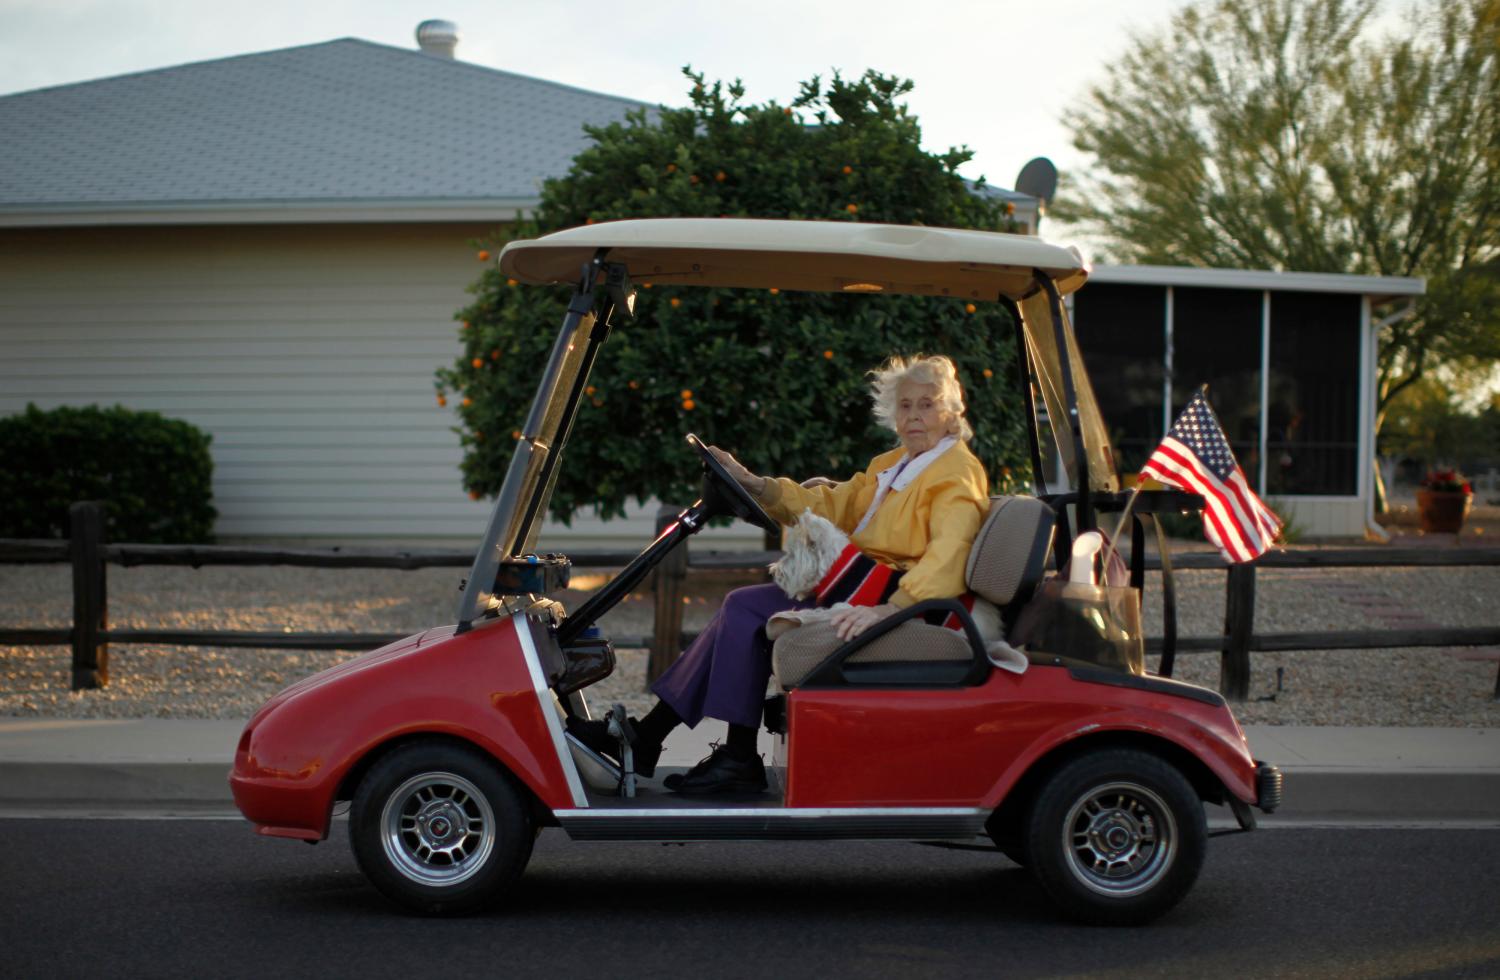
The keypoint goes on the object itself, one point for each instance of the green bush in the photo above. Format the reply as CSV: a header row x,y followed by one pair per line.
x,y
153,474
777,378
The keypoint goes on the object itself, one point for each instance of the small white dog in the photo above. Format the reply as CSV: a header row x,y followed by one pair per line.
x,y
810,547
818,563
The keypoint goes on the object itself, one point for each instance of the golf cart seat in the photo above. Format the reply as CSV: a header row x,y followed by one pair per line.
x,y
1008,559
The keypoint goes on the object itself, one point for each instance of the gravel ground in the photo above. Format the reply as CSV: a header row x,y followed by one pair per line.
x,y
1393,687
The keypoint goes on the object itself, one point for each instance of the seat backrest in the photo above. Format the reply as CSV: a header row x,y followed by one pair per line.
x,y
1009,556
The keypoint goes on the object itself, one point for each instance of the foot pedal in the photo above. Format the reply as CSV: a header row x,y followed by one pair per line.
x,y
623,732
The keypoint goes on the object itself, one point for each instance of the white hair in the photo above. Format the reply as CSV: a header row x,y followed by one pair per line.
x,y
936,370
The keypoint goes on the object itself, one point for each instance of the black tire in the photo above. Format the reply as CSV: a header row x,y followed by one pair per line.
x,y
1016,851
1006,829
440,828
1116,837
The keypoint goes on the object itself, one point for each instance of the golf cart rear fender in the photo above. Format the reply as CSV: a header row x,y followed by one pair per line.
x,y
1222,755
294,761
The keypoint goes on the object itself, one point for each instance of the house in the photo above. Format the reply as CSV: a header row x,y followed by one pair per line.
x,y
273,247
1289,360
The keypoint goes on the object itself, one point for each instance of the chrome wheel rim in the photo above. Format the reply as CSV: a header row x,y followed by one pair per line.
x,y
1120,839
437,828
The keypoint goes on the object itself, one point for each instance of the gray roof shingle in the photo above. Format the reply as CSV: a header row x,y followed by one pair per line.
x,y
342,122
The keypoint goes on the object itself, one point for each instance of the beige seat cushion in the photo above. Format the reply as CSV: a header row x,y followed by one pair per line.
x,y
1011,548
798,651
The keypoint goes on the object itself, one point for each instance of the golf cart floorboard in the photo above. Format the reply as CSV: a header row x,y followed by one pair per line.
x,y
655,814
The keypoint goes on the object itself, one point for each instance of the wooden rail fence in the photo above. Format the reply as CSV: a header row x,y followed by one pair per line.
x,y
90,634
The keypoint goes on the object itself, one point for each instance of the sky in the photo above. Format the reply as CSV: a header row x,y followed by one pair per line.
x,y
997,76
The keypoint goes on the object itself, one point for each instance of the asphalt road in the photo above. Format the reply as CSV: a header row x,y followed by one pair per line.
x,y
208,898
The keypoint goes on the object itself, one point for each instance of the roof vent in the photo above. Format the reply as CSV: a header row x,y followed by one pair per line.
x,y
437,37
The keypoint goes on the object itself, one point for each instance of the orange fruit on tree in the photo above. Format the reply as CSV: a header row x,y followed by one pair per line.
x,y
721,176
676,302
775,291
671,168
852,208
511,282
442,401
970,307
473,494
988,373
687,393
688,404
848,169
693,179
828,355
483,255
467,401
478,362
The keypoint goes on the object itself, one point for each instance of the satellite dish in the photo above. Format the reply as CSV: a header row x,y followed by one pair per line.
x,y
1038,179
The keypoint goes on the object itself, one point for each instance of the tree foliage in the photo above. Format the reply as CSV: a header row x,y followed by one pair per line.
x,y
778,378
1424,427
1295,135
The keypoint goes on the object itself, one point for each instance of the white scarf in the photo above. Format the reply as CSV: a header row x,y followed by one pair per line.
x,y
900,476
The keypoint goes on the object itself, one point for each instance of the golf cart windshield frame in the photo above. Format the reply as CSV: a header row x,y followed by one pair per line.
x,y
1049,359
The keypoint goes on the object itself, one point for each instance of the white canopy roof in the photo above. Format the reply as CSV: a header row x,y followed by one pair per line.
x,y
821,256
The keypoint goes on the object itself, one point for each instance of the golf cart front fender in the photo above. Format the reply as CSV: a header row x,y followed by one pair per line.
x,y
297,755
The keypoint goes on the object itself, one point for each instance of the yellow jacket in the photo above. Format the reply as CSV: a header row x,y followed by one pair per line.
x,y
925,530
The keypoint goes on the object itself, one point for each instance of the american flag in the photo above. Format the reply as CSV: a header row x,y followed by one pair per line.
x,y
1196,457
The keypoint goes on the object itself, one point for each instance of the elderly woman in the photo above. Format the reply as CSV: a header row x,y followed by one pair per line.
x,y
917,508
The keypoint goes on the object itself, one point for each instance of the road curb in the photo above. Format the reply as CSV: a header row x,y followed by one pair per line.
x,y
1417,794
1312,793
30,784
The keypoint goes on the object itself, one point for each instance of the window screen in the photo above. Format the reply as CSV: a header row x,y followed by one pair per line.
x,y
1312,416
1216,341
1122,332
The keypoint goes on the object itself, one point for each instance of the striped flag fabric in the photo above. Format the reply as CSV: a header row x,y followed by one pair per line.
x,y
856,578
1196,457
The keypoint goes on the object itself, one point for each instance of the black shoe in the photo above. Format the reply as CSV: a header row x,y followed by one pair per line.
x,y
595,734
721,772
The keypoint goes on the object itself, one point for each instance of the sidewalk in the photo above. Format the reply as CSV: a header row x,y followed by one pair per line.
x,y
172,765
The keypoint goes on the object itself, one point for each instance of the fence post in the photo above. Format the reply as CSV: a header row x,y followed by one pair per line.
x,y
669,577
90,605
1239,622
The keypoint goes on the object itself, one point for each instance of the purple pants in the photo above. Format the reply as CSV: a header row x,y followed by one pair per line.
x,y
723,674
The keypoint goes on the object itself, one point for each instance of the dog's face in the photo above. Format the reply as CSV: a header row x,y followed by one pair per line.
x,y
811,546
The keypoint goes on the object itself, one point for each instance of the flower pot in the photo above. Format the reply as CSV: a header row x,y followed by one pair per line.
x,y
1443,510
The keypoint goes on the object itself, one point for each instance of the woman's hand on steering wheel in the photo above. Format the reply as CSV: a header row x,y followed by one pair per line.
x,y
849,623
752,483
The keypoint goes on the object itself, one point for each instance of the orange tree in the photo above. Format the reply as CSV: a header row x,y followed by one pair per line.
x,y
778,378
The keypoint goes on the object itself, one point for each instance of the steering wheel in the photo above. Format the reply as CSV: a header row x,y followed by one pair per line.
x,y
723,494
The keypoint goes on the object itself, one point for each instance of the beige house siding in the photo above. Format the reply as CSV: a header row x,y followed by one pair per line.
x,y
306,351
1322,517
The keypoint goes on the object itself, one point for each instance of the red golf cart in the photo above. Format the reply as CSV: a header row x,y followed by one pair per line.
x,y
451,745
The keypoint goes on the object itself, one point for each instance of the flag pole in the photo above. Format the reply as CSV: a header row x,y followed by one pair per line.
x,y
1135,493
